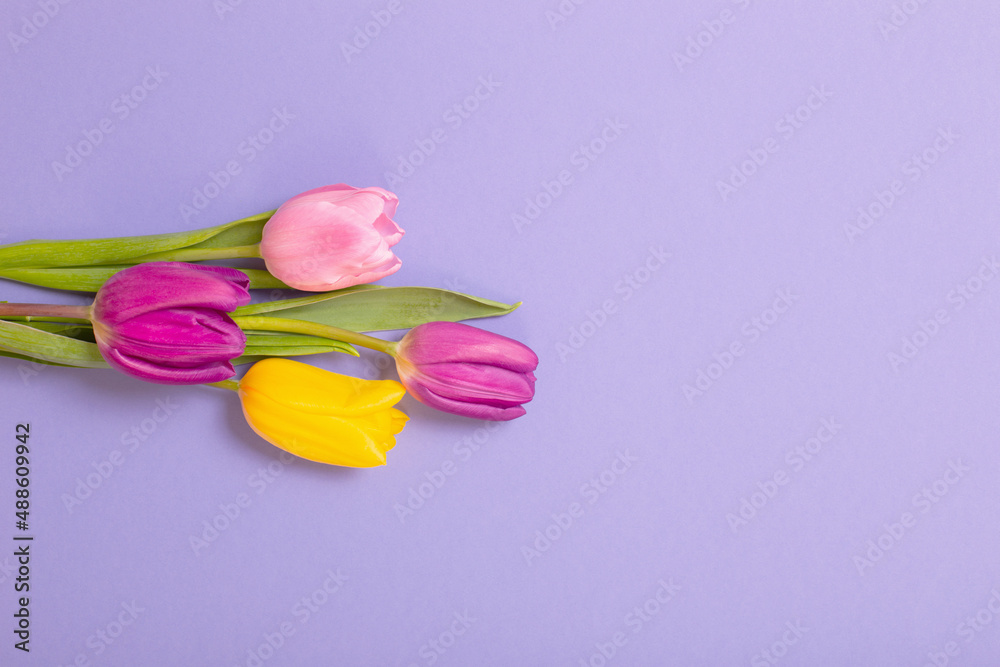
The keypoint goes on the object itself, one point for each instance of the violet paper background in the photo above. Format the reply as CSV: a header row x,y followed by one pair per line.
x,y
690,179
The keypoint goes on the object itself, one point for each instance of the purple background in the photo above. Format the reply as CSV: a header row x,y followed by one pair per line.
x,y
896,118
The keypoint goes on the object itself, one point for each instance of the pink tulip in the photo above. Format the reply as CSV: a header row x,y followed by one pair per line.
x,y
332,237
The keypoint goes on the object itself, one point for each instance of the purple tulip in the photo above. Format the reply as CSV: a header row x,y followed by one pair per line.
x,y
167,322
467,371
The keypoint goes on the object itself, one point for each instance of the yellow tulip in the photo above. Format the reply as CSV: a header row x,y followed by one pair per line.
x,y
322,416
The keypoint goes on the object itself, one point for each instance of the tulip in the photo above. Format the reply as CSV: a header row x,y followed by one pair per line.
x,y
466,371
332,237
322,416
167,322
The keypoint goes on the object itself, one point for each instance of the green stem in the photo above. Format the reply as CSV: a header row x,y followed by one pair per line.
x,y
44,312
225,384
313,329
199,254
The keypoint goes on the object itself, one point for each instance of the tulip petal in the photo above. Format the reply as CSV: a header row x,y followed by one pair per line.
x,y
191,335
366,206
390,231
309,389
326,193
159,285
369,276
480,383
441,342
464,409
168,374
341,191
398,420
317,233
315,437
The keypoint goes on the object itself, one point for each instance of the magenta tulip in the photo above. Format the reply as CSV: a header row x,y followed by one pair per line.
x,y
167,322
332,237
467,371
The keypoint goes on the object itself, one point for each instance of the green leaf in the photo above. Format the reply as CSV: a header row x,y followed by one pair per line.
x,y
90,278
14,355
46,346
283,345
287,351
261,279
79,279
248,232
78,331
254,354
40,253
376,308
249,359
284,304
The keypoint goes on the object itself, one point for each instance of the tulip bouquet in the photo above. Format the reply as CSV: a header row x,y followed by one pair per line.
x,y
160,317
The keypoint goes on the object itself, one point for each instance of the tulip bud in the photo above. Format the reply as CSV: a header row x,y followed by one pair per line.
x,y
467,371
322,416
167,322
332,237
